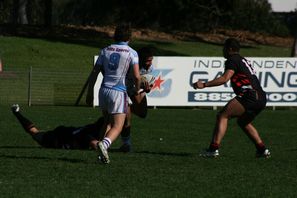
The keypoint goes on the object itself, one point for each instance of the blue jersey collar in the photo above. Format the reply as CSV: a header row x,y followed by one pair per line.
x,y
123,43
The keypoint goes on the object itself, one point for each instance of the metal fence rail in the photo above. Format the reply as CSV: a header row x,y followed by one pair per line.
x,y
45,87
41,86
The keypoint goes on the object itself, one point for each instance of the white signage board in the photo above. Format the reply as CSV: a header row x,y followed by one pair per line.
x,y
174,76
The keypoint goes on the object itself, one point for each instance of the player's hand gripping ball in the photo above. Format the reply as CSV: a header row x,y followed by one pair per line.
x,y
147,82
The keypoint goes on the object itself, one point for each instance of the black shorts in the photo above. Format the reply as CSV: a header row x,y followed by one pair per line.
x,y
253,102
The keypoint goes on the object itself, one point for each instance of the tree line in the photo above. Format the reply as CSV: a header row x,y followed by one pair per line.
x,y
165,15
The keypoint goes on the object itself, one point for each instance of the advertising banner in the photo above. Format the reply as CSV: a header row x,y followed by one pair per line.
x,y
175,75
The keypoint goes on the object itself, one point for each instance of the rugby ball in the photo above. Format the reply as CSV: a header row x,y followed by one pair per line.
x,y
150,79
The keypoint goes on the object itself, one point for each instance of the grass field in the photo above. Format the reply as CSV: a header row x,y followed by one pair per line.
x,y
167,168
20,53
164,161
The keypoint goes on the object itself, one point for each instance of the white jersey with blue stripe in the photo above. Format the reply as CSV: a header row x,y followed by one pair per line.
x,y
143,71
115,61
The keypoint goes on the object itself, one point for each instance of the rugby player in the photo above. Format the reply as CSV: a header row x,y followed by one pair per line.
x,y
250,99
62,137
138,103
114,62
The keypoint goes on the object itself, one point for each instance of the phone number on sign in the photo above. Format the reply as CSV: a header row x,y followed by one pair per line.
x,y
226,96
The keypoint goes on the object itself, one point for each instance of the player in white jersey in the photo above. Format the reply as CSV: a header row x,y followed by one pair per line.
x,y
138,104
114,62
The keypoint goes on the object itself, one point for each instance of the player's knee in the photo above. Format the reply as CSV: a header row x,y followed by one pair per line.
x,y
222,115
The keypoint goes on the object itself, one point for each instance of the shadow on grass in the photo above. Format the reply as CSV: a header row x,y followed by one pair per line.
x,y
19,147
111,150
36,157
292,149
42,158
165,153
117,150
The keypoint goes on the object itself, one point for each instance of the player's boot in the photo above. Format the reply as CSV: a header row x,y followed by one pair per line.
x,y
264,154
103,154
15,108
209,154
125,148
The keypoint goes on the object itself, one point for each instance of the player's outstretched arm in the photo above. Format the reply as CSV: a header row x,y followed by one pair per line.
x,y
215,82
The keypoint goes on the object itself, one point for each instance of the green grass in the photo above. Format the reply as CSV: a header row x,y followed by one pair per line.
x,y
167,168
17,52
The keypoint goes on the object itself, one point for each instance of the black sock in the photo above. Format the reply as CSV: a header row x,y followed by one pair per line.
x,y
27,124
38,137
260,147
125,135
126,131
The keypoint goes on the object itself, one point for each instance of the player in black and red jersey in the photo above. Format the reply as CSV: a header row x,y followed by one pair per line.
x,y
250,99
62,137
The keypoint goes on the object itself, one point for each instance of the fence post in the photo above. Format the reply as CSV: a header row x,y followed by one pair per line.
x,y
0,65
29,87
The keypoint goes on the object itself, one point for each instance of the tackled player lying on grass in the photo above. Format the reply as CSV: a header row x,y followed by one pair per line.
x,y
62,137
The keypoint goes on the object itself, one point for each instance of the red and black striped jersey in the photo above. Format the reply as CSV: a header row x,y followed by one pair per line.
x,y
244,75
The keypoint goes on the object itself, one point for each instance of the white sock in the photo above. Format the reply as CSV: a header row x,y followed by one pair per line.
x,y
106,142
